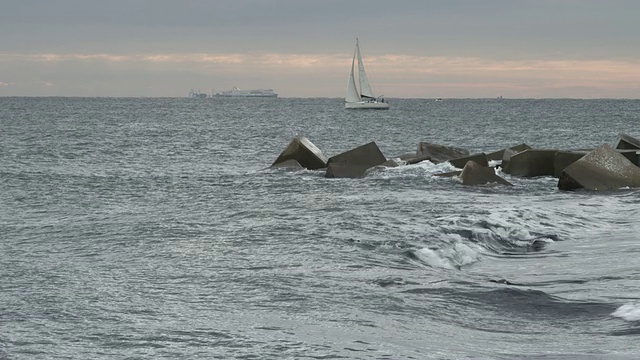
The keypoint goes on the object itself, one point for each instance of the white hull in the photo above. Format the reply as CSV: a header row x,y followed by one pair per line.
x,y
247,93
366,105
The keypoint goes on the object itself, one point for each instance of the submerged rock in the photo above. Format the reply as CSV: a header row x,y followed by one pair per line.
x,y
414,159
355,162
304,152
439,153
390,163
475,174
449,174
290,164
337,170
601,169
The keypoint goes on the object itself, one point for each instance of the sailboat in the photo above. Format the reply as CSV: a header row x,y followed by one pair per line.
x,y
363,98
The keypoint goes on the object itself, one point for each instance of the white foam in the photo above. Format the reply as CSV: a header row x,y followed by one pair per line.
x,y
451,256
434,258
422,169
628,312
515,226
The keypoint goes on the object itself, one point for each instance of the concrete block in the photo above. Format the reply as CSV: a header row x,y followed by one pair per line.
x,y
625,141
480,159
303,151
355,162
498,155
531,162
476,174
631,155
440,153
563,159
601,169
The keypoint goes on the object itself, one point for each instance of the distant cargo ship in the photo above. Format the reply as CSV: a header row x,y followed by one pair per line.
x,y
247,93
197,95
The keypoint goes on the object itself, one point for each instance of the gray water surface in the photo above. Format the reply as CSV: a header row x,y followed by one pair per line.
x,y
151,228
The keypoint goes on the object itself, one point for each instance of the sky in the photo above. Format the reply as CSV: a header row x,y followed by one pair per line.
x,y
303,48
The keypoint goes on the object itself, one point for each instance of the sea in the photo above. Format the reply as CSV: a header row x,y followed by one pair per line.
x,y
154,228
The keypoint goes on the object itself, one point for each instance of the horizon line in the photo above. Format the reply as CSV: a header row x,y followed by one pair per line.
x,y
312,97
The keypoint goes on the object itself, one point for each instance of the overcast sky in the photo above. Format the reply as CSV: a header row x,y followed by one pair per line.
x,y
303,48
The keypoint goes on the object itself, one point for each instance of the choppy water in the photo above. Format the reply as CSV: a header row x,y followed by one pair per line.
x,y
149,228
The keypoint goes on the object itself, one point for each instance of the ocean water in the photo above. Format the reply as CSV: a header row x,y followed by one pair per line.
x,y
153,229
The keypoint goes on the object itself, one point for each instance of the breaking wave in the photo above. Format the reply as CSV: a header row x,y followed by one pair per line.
x,y
452,256
628,312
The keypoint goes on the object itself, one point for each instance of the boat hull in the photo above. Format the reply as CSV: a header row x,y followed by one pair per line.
x,y
247,95
366,105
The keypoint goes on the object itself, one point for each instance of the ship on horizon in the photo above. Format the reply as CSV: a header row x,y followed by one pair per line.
x,y
197,94
247,93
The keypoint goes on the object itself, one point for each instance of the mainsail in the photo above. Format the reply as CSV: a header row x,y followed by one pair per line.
x,y
365,88
352,92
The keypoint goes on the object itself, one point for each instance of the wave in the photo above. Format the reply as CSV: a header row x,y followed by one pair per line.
x,y
452,257
464,241
422,169
628,312
521,302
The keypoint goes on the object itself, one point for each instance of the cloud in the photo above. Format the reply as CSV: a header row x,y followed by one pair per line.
x,y
384,64
308,75
240,59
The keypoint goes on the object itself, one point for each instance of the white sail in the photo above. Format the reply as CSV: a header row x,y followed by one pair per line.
x,y
365,88
352,92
